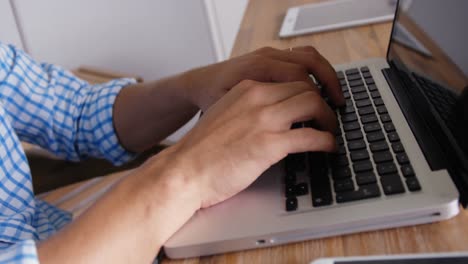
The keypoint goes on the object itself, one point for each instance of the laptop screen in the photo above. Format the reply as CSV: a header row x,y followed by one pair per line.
x,y
429,44
430,38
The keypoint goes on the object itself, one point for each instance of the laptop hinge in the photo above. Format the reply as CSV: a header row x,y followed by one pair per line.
x,y
413,111
425,129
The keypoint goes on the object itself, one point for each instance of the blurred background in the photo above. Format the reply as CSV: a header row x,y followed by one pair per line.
x,y
146,38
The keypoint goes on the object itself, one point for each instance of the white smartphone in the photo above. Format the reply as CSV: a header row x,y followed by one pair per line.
x,y
434,258
335,14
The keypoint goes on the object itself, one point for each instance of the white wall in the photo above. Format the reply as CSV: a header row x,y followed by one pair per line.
x,y
149,38
225,17
8,31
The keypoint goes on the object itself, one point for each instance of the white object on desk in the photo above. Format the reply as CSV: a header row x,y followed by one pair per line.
x,y
336,14
432,258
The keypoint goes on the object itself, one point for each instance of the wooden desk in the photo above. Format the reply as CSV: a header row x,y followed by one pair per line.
x,y
259,28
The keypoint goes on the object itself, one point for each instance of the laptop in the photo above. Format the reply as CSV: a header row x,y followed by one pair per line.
x,y
403,149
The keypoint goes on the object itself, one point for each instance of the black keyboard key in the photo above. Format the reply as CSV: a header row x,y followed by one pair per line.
x,y
372,87
318,168
341,150
352,71
354,135
407,170
383,156
337,132
366,110
356,145
341,172
363,103
358,89
392,184
402,158
290,164
310,123
365,69
382,109
378,102
343,185
346,95
368,119
362,166
364,178
347,110
340,75
413,184
386,168
359,155
389,127
299,161
296,125
351,126
393,137
371,127
291,204
364,192
296,161
349,102
301,189
369,81
348,118
385,118
290,178
339,139
343,83
289,191
321,199
339,160
379,146
366,75
398,147
355,83
375,136
353,77
375,94
319,181
360,96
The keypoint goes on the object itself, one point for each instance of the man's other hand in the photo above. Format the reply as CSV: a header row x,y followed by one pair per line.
x,y
246,132
208,84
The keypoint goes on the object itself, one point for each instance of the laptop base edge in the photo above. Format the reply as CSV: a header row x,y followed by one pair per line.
x,y
436,214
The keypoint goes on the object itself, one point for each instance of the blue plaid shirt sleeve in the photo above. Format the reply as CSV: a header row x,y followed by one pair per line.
x,y
48,106
22,252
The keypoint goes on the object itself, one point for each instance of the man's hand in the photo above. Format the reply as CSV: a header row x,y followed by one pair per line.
x,y
147,113
208,84
246,132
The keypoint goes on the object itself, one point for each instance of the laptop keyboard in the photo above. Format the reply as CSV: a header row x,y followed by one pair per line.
x,y
370,161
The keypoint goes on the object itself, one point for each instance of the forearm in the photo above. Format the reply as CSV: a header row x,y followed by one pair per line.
x,y
131,222
146,113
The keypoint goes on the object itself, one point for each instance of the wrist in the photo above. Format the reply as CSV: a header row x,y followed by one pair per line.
x,y
173,197
196,84
178,86
189,86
